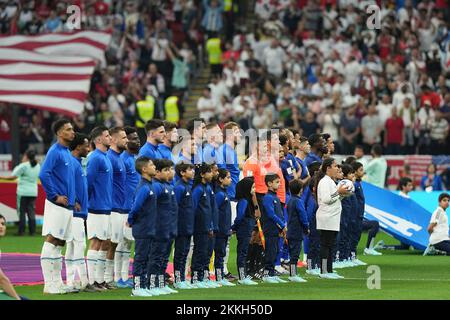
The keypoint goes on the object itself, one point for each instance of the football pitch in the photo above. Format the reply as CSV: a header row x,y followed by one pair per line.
x,y
404,275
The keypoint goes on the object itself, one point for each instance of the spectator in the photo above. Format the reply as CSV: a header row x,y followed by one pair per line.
x,y
212,19
431,181
309,126
350,129
438,134
394,134
206,106
5,131
27,190
376,169
213,47
371,127
408,115
359,156
274,58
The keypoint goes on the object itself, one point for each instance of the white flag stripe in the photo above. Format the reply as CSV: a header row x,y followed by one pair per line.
x,y
70,105
59,85
73,49
23,55
101,37
30,68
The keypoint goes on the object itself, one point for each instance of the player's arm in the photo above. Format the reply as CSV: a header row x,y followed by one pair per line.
x,y
326,193
46,175
268,206
179,191
240,213
303,217
7,287
141,196
91,172
430,228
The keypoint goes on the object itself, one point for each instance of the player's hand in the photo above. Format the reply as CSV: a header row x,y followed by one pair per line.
x,y
343,190
127,225
77,207
308,232
257,214
62,200
210,234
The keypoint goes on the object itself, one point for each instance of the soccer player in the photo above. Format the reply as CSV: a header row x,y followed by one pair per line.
x,y
142,220
201,197
273,225
224,225
243,225
438,228
119,213
214,138
301,150
123,250
100,190
186,215
155,135
169,141
165,222
188,150
57,178
297,224
74,258
196,128
318,148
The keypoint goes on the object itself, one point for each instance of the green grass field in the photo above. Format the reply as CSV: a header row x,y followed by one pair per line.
x,y
404,275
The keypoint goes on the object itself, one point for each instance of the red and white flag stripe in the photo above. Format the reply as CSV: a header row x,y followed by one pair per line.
x,y
51,71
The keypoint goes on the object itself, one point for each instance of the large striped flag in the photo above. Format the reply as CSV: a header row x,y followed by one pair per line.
x,y
50,71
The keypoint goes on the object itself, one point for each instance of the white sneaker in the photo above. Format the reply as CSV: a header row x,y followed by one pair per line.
x,y
359,262
326,276
281,270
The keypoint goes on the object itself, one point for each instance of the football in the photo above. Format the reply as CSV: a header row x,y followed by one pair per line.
x,y
349,184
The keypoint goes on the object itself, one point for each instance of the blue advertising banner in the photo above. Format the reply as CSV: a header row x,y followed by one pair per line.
x,y
402,218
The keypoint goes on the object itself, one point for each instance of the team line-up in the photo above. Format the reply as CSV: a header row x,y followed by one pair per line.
x,y
127,193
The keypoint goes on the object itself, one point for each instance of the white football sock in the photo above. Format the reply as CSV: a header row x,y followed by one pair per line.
x,y
189,257
58,265
109,271
92,259
305,257
118,262
47,262
126,259
100,270
80,262
70,265
225,259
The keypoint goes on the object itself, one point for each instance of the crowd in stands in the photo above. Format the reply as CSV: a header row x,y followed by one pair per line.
x,y
310,65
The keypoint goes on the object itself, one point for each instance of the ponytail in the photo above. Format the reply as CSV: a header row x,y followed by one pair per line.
x,y
328,162
31,155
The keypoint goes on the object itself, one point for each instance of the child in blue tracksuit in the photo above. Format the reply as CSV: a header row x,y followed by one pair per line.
x,y
202,206
186,214
348,215
223,226
165,225
243,225
296,226
214,224
273,225
359,216
142,220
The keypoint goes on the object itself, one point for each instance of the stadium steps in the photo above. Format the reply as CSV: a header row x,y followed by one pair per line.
x,y
195,93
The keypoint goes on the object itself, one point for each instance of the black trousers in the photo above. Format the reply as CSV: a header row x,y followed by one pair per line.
x,y
327,241
27,207
199,255
182,246
372,227
295,246
271,253
141,262
443,246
